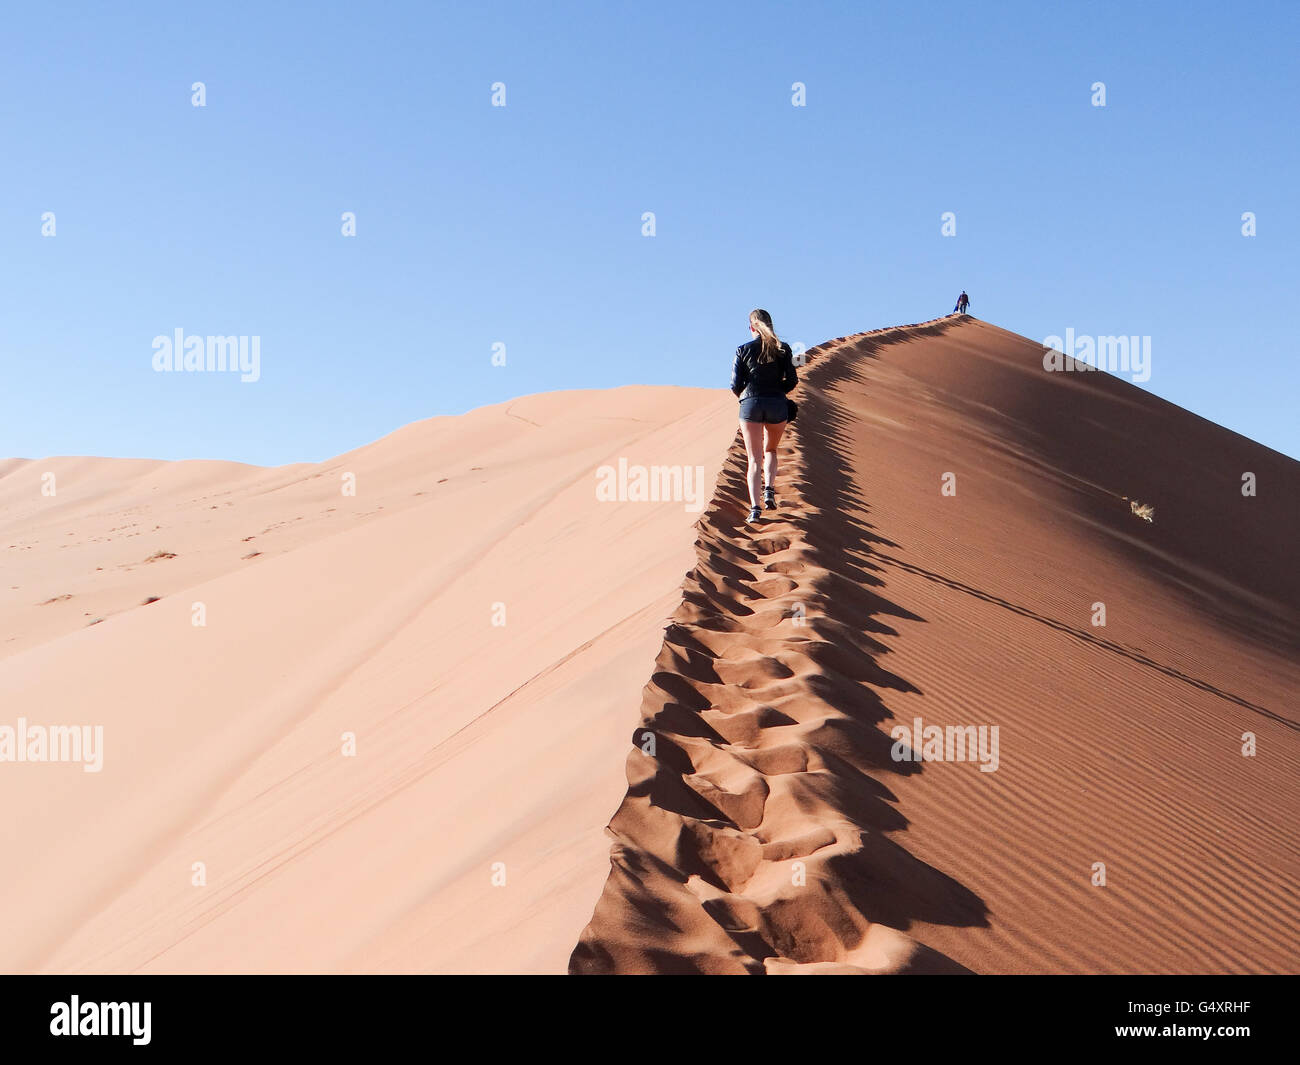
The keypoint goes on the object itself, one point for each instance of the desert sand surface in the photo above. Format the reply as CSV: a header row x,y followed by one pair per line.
x,y
329,613
771,830
774,831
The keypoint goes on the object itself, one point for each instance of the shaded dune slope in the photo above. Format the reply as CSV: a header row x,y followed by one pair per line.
x,y
766,826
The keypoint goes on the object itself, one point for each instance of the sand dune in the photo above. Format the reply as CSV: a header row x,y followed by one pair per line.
x,y
762,821
370,614
773,830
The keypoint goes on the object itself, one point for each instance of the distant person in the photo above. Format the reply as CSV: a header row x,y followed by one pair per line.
x,y
963,301
761,375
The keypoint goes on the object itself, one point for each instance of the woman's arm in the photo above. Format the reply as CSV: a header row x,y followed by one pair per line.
x,y
791,375
739,374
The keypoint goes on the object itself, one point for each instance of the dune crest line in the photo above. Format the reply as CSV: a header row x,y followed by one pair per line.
x,y
752,837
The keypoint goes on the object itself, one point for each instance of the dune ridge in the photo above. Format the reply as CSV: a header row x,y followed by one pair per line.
x,y
769,829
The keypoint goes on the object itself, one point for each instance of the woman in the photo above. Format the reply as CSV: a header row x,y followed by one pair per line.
x,y
761,375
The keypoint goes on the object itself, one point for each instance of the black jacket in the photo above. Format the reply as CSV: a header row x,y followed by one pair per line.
x,y
749,377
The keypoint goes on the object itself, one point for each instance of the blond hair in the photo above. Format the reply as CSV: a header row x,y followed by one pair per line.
x,y
771,343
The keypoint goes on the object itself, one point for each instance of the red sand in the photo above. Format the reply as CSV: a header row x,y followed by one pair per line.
x,y
1119,745
772,830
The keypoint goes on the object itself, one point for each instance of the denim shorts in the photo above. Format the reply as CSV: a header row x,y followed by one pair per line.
x,y
769,409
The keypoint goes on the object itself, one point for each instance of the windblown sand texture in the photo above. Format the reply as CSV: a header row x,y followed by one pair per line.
x,y
869,599
467,834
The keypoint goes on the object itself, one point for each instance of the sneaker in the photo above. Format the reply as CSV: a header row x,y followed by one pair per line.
x,y
769,498
754,513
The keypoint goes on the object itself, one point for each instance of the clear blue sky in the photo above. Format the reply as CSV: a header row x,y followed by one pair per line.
x,y
522,224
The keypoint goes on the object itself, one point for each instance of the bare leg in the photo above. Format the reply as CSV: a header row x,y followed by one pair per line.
x,y
753,435
771,438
